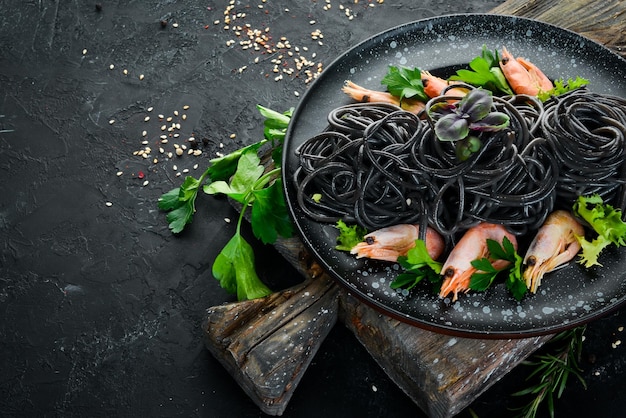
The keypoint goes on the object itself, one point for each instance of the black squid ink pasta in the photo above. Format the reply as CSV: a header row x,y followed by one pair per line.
x,y
377,165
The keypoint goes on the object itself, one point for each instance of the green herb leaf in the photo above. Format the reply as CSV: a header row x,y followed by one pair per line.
x,y
349,235
234,268
222,168
180,203
405,83
269,217
249,170
605,220
485,72
418,266
486,274
562,87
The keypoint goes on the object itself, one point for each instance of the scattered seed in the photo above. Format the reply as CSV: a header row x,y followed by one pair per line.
x,y
175,167
185,107
141,76
119,173
195,166
163,127
84,52
109,204
161,116
146,119
174,25
176,113
184,116
233,136
150,109
111,67
144,133
227,220
125,71
112,121
145,183
186,170
179,151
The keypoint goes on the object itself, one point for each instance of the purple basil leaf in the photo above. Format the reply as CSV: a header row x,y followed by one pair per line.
x,y
493,122
451,128
441,109
476,104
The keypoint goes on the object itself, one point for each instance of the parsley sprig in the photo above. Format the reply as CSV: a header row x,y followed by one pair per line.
x,y
242,177
418,266
486,273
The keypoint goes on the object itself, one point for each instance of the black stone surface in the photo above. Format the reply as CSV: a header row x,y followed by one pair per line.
x,y
100,305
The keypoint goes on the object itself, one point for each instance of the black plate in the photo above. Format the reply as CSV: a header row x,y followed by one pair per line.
x,y
568,297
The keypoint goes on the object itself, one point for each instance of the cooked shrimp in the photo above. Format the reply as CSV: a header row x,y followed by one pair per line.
x,y
363,95
555,244
458,269
391,242
523,76
434,86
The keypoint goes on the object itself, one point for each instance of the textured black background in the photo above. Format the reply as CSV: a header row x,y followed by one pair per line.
x,y
101,306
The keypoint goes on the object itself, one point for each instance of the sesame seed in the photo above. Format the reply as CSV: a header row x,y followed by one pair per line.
x,y
185,107
145,183
125,72
112,121
111,67
119,173
150,109
227,220
144,133
174,25
233,136
84,52
146,119
179,151
109,204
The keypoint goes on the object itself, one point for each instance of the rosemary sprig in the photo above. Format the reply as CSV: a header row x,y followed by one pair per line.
x,y
552,371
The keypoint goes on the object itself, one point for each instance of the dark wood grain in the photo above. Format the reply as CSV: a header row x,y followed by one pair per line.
x,y
602,21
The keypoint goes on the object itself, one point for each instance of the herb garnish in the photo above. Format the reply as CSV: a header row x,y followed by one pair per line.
x,y
552,371
418,265
485,72
562,87
349,235
486,272
405,83
241,176
605,220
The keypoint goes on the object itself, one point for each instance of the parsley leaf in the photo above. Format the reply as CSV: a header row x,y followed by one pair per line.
x,y
349,236
405,83
234,268
486,273
269,216
241,176
418,265
180,202
485,72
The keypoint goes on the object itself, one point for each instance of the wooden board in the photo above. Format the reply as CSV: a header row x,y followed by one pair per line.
x,y
267,344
